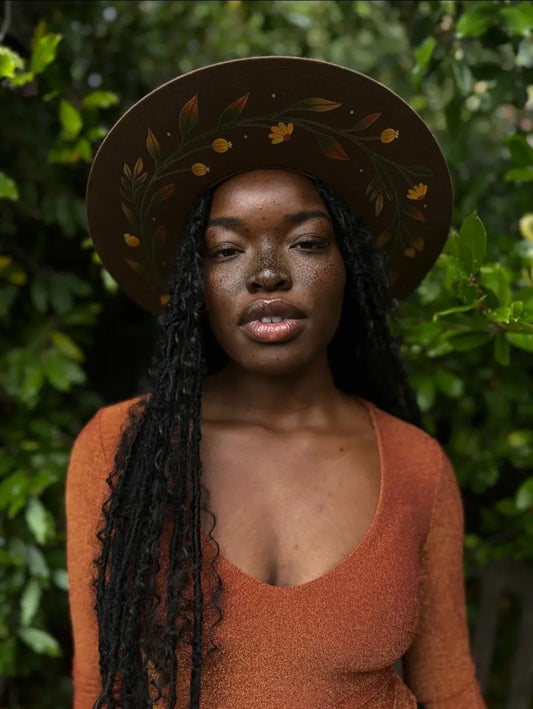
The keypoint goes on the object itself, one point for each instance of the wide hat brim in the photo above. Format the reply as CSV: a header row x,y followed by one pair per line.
x,y
309,116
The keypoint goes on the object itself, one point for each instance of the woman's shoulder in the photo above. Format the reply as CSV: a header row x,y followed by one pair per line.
x,y
417,456
103,430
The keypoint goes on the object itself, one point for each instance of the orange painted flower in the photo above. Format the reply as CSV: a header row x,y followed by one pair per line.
x,y
221,145
417,191
132,240
388,135
281,132
410,252
199,169
163,299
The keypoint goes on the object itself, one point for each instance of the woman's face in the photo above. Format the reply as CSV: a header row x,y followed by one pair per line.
x,y
275,276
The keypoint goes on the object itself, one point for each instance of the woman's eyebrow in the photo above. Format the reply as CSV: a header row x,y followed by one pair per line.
x,y
230,222
299,217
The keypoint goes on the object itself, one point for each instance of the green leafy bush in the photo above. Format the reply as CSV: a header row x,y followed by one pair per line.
x,y
67,71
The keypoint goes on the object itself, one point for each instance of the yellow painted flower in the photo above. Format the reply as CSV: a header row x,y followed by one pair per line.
x,y
163,299
199,169
417,191
221,145
132,240
281,132
410,252
418,243
388,135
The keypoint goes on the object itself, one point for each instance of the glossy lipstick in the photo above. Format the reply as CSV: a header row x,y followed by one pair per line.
x,y
272,320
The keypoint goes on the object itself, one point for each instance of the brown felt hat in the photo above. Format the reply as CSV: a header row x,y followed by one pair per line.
x,y
313,117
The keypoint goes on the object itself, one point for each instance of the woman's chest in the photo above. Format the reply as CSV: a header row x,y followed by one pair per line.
x,y
288,511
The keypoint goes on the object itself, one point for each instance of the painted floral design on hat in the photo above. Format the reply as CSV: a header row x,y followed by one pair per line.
x,y
144,188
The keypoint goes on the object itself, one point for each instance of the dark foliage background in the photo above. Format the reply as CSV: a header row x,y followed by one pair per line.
x,y
70,343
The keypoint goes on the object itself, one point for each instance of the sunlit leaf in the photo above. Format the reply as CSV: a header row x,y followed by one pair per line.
x,y
8,188
99,99
70,119
29,601
44,52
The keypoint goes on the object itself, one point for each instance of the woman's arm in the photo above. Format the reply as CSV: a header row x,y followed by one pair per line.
x,y
438,666
85,492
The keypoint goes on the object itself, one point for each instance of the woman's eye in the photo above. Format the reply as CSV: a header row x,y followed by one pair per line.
x,y
311,244
225,252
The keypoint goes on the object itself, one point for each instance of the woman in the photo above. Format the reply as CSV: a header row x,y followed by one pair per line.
x,y
274,531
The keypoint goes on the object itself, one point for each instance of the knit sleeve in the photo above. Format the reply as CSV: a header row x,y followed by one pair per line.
x,y
438,666
85,492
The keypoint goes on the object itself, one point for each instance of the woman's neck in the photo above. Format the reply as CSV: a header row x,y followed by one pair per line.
x,y
306,398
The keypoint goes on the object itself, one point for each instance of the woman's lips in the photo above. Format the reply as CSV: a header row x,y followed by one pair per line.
x,y
274,331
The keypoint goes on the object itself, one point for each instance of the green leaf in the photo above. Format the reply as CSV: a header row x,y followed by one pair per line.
x,y
67,346
501,314
524,495
521,151
519,174
523,342
14,492
424,52
44,52
468,341
99,99
10,61
36,562
8,188
518,20
40,522
40,642
502,351
32,384
457,309
425,390
62,373
476,21
497,278
70,119
29,601
472,242
449,383
60,578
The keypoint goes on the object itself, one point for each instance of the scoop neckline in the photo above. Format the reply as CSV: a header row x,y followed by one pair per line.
x,y
356,551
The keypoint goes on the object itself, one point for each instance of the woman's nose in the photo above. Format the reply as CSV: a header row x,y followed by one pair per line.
x,y
269,274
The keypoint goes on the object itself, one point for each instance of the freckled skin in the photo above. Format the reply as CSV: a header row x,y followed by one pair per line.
x,y
255,250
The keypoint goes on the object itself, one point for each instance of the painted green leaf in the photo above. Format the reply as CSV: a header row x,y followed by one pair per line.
x,y
319,105
419,170
189,116
330,146
152,145
367,121
233,111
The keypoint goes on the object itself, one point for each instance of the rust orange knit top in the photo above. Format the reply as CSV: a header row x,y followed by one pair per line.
x,y
330,643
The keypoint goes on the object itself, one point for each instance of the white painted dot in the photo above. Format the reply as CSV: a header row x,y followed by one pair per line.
x,y
169,134
245,136
273,95
360,169
352,112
